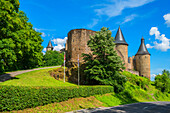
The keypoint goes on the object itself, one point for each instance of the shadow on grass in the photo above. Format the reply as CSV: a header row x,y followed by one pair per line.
x,y
6,77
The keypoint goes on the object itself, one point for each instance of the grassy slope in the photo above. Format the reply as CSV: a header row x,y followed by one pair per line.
x,y
131,94
36,78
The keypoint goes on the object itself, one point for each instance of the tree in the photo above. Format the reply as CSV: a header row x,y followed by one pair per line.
x,y
103,65
20,44
162,82
167,72
53,58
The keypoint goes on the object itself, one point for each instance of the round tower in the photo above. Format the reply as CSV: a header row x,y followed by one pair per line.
x,y
143,60
77,44
122,47
49,47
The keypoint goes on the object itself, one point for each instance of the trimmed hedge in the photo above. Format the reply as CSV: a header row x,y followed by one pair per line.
x,y
18,98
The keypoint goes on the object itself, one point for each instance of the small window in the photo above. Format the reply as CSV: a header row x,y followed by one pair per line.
x,y
73,40
145,57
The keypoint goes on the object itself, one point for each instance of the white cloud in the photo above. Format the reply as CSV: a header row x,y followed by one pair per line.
x,y
40,29
44,49
167,19
163,44
115,7
43,34
58,47
129,18
60,43
149,46
95,21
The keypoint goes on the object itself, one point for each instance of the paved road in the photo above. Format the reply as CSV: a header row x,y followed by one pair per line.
x,y
143,107
9,75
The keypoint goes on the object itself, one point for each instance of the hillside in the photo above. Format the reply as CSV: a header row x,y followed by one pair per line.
x,y
137,89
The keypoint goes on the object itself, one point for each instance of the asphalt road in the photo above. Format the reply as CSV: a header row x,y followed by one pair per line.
x,y
9,75
143,107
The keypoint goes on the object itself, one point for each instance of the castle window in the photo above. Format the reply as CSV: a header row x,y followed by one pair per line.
x,y
79,48
73,40
139,57
145,57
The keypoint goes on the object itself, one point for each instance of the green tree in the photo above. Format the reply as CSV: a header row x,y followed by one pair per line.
x,y
162,82
167,72
53,58
20,44
103,65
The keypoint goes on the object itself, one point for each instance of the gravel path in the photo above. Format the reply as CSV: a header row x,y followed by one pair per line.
x,y
143,107
9,75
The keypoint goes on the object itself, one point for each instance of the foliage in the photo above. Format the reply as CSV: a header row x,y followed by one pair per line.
x,y
103,64
162,82
20,44
142,82
16,98
53,58
167,72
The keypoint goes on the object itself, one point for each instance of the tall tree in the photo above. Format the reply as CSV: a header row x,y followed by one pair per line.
x,y
103,65
20,44
53,58
167,72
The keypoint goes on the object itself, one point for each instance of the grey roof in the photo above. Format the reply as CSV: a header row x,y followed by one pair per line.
x,y
49,44
142,49
119,39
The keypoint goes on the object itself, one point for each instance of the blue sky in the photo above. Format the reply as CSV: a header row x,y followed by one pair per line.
x,y
137,18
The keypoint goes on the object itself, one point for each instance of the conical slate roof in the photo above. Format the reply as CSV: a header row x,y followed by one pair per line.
x,y
142,49
50,45
119,39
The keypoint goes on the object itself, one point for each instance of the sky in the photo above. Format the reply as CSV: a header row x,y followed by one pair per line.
x,y
136,18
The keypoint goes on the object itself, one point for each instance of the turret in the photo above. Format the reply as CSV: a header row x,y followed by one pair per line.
x,y
143,60
122,47
49,47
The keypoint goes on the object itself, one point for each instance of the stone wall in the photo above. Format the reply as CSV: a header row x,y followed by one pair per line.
x,y
77,44
123,49
143,65
133,72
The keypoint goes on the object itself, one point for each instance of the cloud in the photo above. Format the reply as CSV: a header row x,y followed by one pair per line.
x,y
60,43
163,44
149,46
129,18
167,19
43,34
40,29
58,47
44,49
115,7
95,21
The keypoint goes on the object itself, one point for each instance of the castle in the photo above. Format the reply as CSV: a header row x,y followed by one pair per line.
x,y
76,44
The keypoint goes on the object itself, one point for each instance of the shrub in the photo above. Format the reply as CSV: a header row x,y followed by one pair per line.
x,y
142,82
17,98
162,82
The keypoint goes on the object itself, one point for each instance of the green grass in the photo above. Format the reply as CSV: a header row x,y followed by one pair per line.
x,y
36,78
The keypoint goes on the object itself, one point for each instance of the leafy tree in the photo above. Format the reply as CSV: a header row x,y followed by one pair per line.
x,y
53,58
162,82
103,65
20,44
167,72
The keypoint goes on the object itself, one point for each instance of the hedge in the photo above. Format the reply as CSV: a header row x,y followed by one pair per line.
x,y
18,98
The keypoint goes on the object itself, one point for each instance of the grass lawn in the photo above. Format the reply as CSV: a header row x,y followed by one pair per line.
x,y
36,78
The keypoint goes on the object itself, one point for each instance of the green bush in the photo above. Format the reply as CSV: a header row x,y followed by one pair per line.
x,y
142,82
162,82
17,98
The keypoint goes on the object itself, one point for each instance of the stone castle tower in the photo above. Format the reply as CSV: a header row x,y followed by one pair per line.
x,y
76,44
49,47
121,47
143,60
